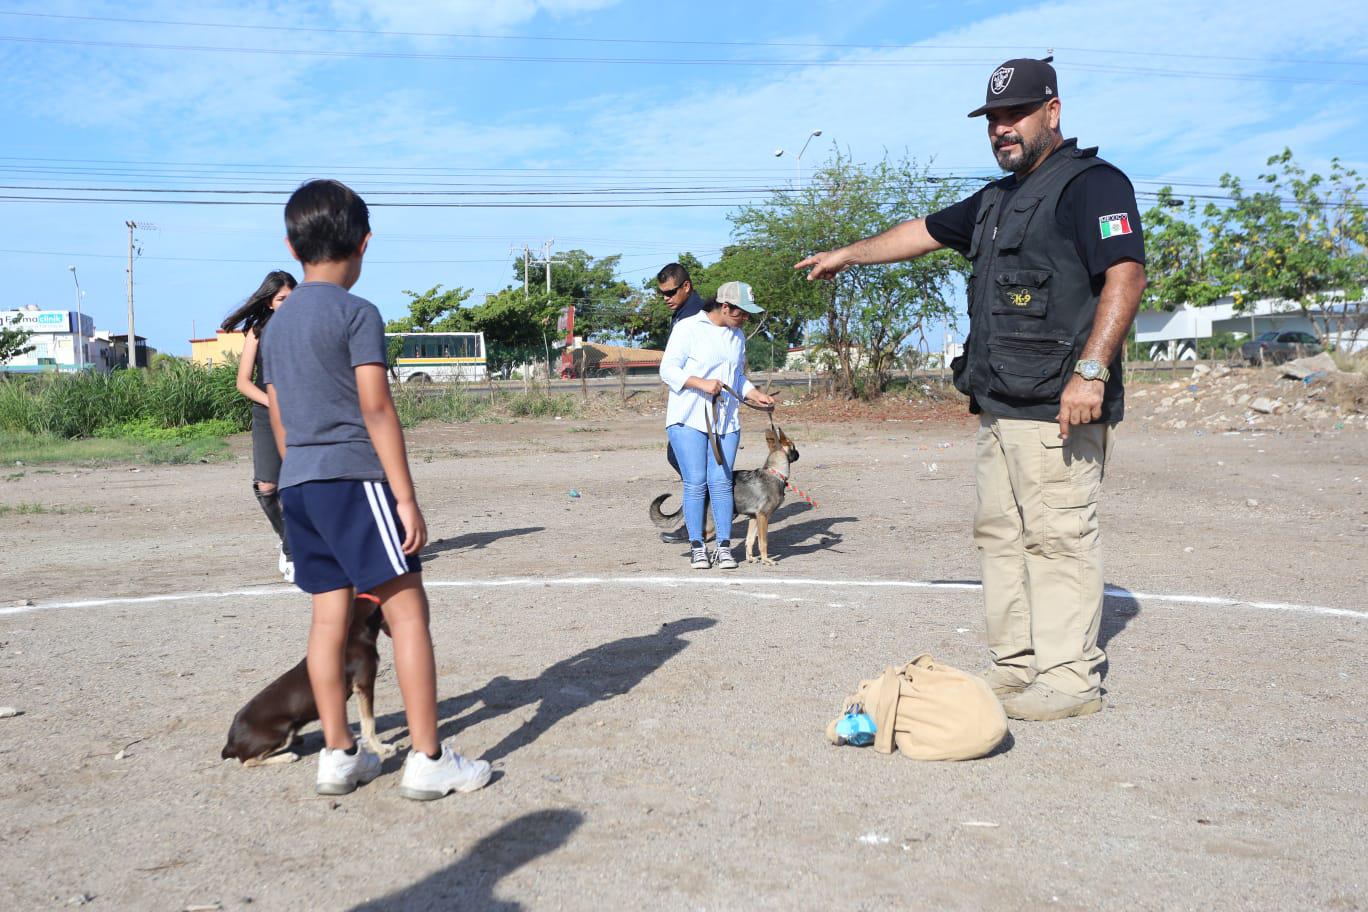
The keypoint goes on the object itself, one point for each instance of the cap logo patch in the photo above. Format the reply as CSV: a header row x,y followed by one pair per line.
x,y
1002,77
1114,225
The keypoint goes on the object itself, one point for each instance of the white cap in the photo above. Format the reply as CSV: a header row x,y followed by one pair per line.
x,y
738,294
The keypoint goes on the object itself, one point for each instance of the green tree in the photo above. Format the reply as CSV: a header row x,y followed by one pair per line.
x,y
434,310
1300,239
868,315
1176,261
600,297
14,341
518,328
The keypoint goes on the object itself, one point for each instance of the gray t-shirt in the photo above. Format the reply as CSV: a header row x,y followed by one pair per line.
x,y
317,338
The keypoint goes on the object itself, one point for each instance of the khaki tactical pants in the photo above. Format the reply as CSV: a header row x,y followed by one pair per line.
x,y
1036,532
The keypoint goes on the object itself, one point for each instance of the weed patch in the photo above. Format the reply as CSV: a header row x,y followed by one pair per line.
x,y
171,394
31,509
21,448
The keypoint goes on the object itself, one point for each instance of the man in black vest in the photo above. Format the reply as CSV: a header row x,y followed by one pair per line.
x,y
1058,270
676,288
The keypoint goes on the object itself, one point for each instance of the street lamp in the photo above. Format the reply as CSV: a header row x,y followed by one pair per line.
x,y
80,322
810,137
798,163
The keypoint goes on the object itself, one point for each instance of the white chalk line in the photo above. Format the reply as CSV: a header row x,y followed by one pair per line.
x,y
680,581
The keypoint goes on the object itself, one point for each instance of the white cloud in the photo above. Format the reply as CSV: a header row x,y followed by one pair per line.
x,y
467,15
321,113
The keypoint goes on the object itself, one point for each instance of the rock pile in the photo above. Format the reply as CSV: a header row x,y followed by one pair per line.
x,y
1307,393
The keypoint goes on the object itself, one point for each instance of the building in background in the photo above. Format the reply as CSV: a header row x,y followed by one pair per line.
x,y
222,348
60,341
109,350
1172,335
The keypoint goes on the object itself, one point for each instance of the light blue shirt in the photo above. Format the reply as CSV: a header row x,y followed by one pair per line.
x,y
700,348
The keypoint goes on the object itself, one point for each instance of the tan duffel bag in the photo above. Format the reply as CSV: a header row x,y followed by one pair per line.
x,y
930,711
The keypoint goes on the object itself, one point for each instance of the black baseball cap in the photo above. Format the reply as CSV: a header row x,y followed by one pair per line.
x,y
1019,81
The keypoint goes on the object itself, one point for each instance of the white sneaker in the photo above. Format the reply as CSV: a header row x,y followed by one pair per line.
x,y
428,780
339,773
286,567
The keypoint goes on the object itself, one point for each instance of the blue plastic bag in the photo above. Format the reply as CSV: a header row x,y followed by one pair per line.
x,y
855,727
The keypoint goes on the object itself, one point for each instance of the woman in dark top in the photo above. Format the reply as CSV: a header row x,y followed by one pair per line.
x,y
251,319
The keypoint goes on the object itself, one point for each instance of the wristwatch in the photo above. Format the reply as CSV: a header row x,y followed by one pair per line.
x,y
1092,370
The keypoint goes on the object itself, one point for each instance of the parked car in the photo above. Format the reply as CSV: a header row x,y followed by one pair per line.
x,y
1275,347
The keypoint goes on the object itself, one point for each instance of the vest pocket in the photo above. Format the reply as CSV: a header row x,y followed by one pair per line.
x,y
1022,292
1027,366
980,223
1013,229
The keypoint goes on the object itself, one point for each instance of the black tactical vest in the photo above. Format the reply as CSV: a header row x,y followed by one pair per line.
x,y
1031,304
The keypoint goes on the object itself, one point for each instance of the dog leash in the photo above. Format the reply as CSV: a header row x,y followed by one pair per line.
x,y
714,421
788,485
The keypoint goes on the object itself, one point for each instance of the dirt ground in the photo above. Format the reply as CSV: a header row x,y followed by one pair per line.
x,y
657,732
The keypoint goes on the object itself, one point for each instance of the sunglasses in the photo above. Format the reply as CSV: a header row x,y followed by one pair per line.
x,y
669,292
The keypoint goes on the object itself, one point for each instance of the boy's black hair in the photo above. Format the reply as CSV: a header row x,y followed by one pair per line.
x,y
673,272
326,221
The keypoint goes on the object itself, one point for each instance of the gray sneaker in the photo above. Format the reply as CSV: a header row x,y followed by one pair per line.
x,y
723,556
698,557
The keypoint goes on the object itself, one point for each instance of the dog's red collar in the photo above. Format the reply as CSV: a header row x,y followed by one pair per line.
x,y
782,476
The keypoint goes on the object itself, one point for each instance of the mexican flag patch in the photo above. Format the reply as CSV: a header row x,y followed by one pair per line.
x,y
1114,225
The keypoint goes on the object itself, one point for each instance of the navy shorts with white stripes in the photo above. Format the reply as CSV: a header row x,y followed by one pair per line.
x,y
344,532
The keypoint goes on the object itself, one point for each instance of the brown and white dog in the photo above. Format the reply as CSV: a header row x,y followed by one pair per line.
x,y
264,730
756,493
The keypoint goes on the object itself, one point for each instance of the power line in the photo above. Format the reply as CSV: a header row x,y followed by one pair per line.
x,y
648,61
637,204
708,191
666,42
177,259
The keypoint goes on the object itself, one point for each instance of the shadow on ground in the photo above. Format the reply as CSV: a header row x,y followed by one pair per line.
x,y
566,687
1119,608
468,884
475,540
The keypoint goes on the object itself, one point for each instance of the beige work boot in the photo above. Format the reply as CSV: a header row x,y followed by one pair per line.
x,y
1042,703
1005,680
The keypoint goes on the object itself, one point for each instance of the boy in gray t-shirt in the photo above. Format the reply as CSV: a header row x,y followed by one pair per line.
x,y
350,511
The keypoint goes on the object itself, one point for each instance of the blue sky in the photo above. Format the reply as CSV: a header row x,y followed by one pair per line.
x,y
509,97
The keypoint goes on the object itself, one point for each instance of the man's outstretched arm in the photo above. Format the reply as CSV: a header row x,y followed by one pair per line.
x,y
904,241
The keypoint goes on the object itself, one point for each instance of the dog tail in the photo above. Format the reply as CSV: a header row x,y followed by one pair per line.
x,y
665,520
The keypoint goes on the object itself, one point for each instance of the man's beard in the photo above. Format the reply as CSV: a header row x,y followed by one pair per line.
x,y
1030,154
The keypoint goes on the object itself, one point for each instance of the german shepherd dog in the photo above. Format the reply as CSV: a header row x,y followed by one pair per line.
x,y
264,730
756,493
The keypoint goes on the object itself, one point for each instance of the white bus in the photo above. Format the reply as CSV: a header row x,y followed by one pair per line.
x,y
440,357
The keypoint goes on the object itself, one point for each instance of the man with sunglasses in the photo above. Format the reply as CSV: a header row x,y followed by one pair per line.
x,y
1058,261
676,288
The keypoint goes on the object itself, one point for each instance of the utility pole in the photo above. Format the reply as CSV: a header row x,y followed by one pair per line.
x,y
132,336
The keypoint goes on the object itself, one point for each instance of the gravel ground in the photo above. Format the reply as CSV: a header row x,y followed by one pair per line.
x,y
657,734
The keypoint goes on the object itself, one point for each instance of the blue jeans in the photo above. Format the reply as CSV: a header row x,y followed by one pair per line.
x,y
702,475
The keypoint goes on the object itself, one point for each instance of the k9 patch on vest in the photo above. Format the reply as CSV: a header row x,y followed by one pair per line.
x,y
1114,225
